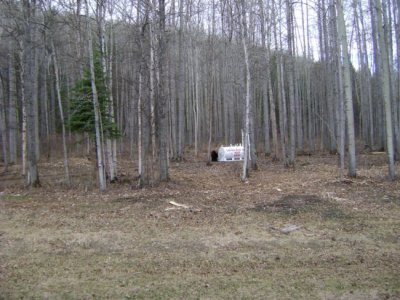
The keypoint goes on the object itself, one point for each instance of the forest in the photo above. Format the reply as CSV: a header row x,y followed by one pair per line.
x,y
110,109
147,79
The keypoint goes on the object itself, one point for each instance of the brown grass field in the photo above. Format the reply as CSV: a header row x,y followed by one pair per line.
x,y
284,234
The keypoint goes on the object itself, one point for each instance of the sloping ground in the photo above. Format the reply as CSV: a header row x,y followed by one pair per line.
x,y
284,234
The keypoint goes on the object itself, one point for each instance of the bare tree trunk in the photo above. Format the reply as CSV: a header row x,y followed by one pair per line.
x,y
211,91
139,109
266,100
366,74
12,110
3,130
113,142
162,105
377,91
46,109
396,13
229,100
282,110
270,94
383,64
152,68
30,62
96,108
365,77
146,159
181,84
274,127
172,86
196,108
60,107
290,63
246,139
335,79
23,108
348,100
280,88
106,59
388,38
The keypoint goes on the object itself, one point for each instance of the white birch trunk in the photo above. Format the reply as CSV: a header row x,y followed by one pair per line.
x,y
96,108
242,16
106,58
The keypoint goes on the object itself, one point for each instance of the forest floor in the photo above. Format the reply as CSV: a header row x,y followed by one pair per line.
x,y
283,234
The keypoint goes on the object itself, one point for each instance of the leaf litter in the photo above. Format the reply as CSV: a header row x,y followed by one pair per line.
x,y
297,233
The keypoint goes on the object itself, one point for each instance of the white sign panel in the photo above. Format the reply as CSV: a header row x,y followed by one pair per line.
x,y
231,153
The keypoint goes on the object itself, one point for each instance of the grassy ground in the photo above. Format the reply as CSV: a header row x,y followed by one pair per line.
x,y
284,234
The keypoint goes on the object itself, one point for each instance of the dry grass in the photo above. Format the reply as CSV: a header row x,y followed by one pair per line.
x,y
59,243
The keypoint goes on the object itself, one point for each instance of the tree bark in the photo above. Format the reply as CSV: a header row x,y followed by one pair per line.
x,y
162,105
61,110
348,99
3,129
30,62
291,83
181,84
246,138
12,109
96,108
23,108
383,64
266,82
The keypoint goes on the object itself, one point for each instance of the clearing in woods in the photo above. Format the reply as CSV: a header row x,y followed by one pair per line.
x,y
284,234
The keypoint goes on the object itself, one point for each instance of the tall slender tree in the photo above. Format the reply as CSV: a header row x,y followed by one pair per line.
x,y
162,104
247,104
384,77
348,98
96,109
30,82
61,110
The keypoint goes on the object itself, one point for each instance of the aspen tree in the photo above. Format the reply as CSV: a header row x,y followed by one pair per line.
x,y
60,107
96,109
30,82
246,142
12,109
291,78
348,100
162,104
383,64
3,131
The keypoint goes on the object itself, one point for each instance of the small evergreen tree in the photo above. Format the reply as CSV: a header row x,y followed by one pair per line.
x,y
81,105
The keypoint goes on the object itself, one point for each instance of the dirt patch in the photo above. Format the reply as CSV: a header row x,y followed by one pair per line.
x,y
334,212
302,204
391,199
297,203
